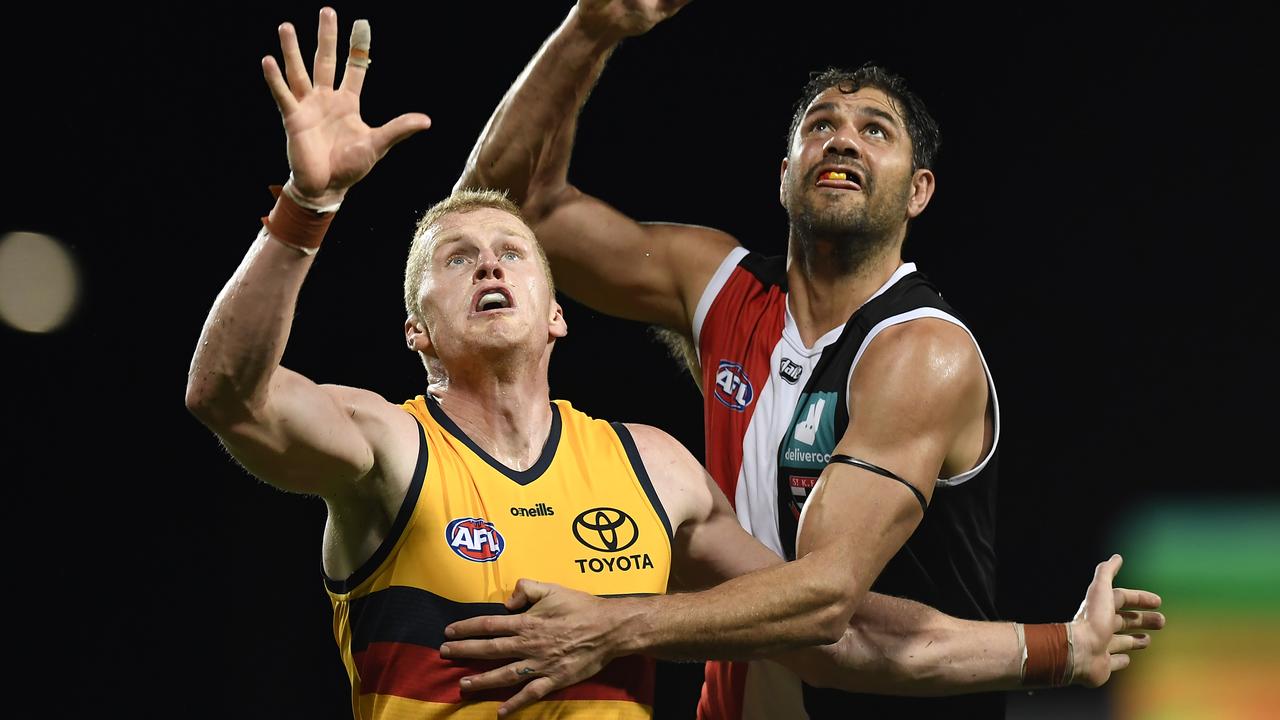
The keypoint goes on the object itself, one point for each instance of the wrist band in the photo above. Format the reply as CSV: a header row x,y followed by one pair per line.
x,y
297,223
1046,654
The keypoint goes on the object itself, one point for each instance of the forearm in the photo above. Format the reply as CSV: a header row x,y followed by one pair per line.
x,y
899,647
246,331
525,147
757,615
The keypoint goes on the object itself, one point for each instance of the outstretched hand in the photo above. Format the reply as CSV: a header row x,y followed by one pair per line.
x,y
564,638
330,147
1111,623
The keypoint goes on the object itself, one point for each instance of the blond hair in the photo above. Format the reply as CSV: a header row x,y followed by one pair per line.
x,y
462,201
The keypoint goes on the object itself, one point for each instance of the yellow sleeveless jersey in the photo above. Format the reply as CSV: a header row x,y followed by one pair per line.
x,y
585,515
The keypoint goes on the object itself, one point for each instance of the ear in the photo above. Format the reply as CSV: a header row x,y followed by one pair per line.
x,y
782,184
558,327
417,337
921,191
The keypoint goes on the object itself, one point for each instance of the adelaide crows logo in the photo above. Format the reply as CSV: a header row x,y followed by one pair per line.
x,y
474,539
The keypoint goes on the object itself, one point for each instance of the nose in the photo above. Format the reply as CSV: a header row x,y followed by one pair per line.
x,y
487,267
844,143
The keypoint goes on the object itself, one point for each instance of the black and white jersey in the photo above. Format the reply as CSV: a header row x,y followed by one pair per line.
x,y
949,561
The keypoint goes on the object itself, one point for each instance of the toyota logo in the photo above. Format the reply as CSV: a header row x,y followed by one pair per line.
x,y
605,529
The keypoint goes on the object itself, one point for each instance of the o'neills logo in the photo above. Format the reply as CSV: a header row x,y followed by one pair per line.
x,y
539,510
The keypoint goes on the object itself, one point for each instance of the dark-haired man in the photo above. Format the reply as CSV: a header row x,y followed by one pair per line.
x,y
850,415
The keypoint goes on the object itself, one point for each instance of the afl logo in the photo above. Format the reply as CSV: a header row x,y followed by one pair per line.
x,y
733,389
605,529
474,539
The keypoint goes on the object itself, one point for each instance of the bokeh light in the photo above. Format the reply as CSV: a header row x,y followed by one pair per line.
x,y
39,283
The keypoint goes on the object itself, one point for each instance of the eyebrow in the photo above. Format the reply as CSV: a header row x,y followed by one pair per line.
x,y
445,242
456,238
860,110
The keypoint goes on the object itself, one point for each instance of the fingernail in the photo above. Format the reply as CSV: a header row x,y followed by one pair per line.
x,y
444,650
466,682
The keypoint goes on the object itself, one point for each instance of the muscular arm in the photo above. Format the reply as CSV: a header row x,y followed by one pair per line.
x,y
651,272
892,645
283,427
915,386
895,646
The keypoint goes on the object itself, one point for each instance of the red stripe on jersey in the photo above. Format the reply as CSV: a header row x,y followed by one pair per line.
x,y
746,313
722,690
749,314
419,673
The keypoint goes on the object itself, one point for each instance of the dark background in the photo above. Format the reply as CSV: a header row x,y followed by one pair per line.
x,y
1098,221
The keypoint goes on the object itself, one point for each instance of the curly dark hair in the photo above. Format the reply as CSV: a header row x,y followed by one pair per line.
x,y
921,127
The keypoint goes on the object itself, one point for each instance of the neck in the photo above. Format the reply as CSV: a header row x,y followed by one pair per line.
x,y
503,407
827,283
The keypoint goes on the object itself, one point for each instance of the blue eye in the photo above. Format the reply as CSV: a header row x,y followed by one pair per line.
x,y
455,261
511,255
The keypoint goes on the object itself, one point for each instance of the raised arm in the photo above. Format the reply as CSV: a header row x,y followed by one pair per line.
x,y
282,427
648,272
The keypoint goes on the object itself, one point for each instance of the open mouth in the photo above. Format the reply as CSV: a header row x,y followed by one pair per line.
x,y
494,298
839,177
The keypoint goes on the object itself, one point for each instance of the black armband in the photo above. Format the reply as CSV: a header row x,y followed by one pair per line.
x,y
855,462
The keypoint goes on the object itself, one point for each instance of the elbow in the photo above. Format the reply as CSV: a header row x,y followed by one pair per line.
x,y
199,400
832,618
832,598
208,409
215,408
831,623
473,178
827,634
487,173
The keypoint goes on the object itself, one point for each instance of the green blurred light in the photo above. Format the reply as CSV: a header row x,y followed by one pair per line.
x,y
1209,553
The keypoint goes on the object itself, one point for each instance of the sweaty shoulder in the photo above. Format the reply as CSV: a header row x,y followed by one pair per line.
x,y
922,369
678,478
931,352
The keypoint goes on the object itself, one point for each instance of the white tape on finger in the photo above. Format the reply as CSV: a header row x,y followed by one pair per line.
x,y
360,37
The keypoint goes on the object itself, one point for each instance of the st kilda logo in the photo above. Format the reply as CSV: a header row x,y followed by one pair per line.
x,y
608,530
474,539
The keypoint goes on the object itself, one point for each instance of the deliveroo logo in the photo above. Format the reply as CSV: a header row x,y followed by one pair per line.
x,y
812,434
